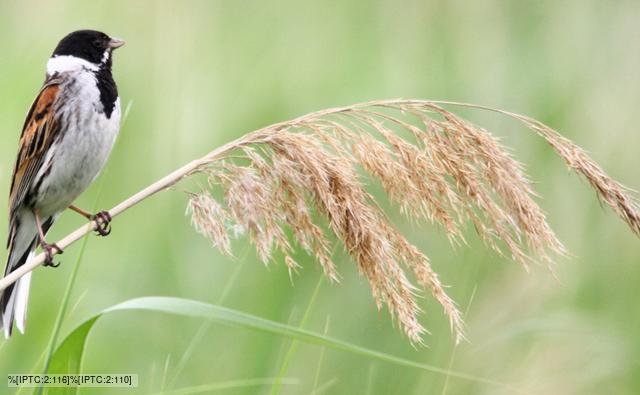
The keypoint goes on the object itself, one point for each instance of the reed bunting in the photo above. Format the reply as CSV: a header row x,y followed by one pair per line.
x,y
66,139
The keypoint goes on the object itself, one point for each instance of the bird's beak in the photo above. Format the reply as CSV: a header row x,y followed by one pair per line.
x,y
115,43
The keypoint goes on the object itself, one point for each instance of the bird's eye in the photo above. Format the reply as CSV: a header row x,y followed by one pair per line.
x,y
97,43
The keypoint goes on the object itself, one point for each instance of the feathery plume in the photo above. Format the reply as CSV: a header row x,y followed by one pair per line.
x,y
306,175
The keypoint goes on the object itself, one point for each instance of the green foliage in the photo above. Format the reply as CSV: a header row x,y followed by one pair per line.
x,y
68,356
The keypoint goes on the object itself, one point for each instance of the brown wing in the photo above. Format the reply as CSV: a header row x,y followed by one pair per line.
x,y
38,133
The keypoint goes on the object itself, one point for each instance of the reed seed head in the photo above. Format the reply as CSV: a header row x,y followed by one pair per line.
x,y
305,178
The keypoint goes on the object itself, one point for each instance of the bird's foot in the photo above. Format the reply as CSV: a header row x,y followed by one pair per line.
x,y
50,250
103,222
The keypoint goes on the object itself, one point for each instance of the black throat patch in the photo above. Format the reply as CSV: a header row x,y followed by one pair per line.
x,y
108,90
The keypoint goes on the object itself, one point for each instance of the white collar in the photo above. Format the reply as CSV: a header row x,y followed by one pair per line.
x,y
61,64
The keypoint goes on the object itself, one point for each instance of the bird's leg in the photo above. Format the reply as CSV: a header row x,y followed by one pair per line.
x,y
80,211
102,219
46,247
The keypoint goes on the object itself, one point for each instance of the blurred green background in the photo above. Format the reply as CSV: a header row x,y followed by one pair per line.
x,y
201,73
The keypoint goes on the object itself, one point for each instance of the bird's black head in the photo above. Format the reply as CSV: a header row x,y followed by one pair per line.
x,y
90,45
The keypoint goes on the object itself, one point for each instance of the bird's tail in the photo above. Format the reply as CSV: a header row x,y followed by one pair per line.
x,y
13,299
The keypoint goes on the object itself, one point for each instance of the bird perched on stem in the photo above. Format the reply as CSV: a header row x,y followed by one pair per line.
x,y
66,139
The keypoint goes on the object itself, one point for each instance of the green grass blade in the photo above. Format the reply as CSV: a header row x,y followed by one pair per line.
x,y
275,389
70,352
324,387
455,347
195,341
316,378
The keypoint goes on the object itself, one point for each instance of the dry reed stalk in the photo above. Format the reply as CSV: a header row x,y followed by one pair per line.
x,y
305,176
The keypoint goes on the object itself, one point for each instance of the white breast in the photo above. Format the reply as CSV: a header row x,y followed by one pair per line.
x,y
86,141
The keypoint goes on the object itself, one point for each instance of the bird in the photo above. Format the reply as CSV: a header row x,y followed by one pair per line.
x,y
66,139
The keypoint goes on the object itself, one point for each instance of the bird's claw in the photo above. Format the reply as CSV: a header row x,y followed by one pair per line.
x,y
103,223
49,252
